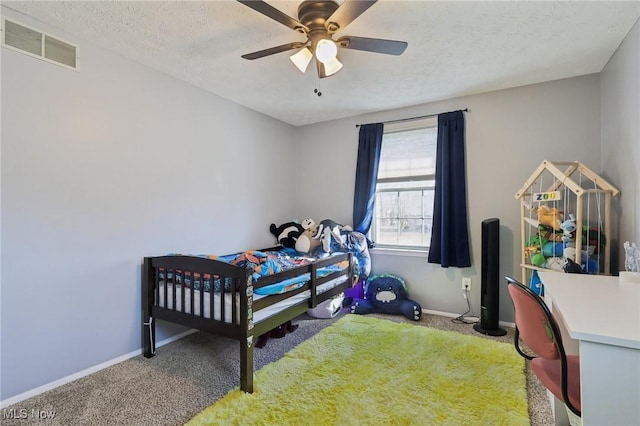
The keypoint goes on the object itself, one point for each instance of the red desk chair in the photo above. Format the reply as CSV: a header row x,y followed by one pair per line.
x,y
558,372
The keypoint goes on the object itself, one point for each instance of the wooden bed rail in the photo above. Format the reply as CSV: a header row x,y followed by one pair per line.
x,y
174,290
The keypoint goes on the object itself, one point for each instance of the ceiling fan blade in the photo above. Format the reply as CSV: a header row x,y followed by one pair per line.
x,y
273,13
347,13
273,50
377,45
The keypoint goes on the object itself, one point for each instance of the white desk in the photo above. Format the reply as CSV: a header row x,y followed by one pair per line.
x,y
604,316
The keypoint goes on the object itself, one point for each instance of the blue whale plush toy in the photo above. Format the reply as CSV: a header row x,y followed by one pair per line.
x,y
386,294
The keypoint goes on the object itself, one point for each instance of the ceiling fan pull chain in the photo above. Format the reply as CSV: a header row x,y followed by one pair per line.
x,y
319,20
317,89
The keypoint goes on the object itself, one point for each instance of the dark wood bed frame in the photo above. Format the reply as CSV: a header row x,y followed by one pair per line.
x,y
242,327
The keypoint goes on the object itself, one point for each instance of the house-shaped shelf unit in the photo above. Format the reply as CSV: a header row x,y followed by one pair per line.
x,y
565,190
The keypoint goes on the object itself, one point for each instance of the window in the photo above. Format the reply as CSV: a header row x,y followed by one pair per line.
x,y
405,185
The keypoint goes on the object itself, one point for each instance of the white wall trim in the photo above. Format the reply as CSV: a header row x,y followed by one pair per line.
x,y
440,313
450,315
387,251
49,386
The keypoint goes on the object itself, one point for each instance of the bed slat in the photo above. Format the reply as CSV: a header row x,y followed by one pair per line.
x,y
243,307
212,307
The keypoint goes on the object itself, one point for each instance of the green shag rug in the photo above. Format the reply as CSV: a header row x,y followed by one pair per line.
x,y
368,371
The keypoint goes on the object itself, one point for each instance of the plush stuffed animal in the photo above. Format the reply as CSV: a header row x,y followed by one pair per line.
x,y
556,263
308,223
538,259
306,241
535,244
322,233
593,239
569,231
287,234
571,267
350,242
386,294
587,264
552,249
551,217
356,243
329,229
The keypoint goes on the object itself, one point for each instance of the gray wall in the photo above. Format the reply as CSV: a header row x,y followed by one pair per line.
x,y
101,167
115,162
508,134
620,84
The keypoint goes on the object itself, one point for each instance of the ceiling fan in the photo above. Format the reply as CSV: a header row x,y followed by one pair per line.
x,y
319,20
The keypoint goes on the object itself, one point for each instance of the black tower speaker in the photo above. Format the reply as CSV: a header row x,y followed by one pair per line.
x,y
490,280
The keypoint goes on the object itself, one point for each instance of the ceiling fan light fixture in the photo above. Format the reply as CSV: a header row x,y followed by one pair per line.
x,y
302,59
319,20
332,67
326,50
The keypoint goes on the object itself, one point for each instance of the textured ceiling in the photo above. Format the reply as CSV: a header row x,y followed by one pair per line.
x,y
455,48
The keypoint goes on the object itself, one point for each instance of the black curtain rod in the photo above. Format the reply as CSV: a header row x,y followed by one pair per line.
x,y
400,120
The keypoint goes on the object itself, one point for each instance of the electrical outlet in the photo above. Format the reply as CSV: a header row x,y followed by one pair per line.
x,y
466,284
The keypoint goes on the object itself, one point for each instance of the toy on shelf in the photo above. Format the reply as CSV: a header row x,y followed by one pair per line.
x,y
587,265
565,217
569,231
550,217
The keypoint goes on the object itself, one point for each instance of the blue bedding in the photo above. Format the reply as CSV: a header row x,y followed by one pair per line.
x,y
265,263
262,263
294,283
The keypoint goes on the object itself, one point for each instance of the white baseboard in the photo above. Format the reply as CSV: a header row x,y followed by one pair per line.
x,y
440,313
450,315
41,389
507,324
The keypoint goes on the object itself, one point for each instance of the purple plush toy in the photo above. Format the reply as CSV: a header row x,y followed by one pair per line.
x,y
386,294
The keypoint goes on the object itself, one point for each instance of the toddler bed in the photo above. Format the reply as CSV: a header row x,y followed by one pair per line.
x,y
240,296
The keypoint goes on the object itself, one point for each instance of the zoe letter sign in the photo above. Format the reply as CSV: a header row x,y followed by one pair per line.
x,y
541,197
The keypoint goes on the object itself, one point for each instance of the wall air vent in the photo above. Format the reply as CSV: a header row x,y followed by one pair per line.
x,y
38,44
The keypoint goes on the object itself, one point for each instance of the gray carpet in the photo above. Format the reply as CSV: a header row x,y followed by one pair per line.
x,y
188,375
